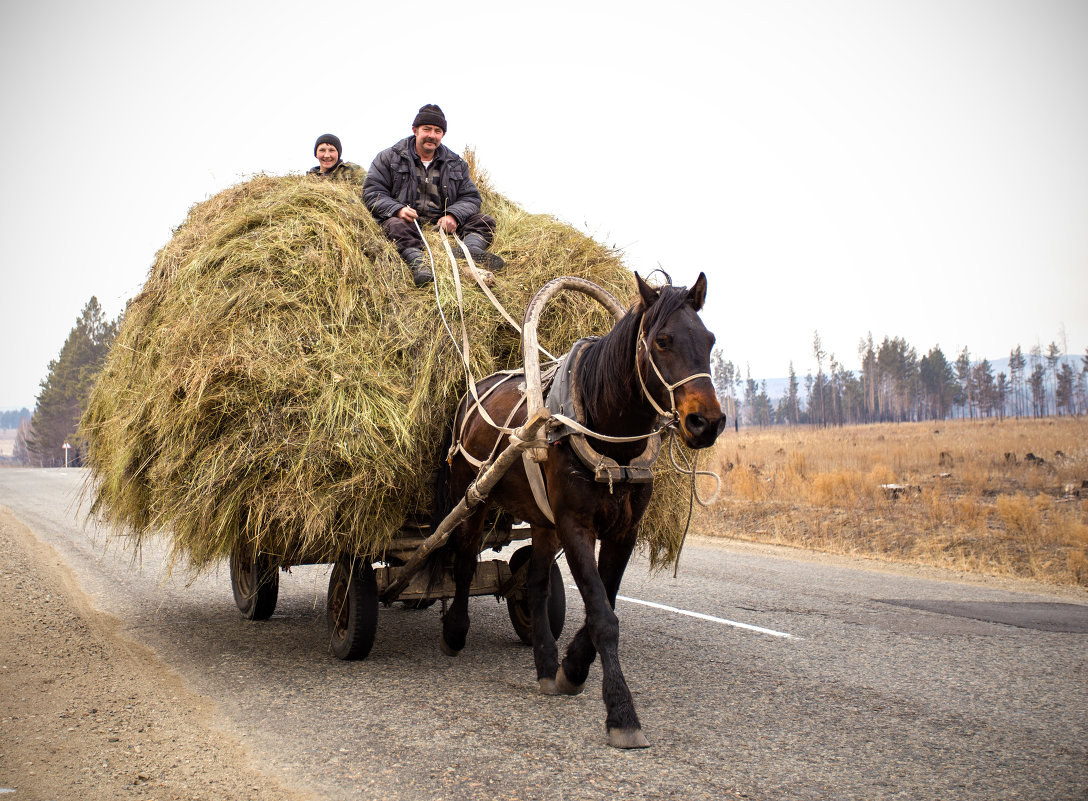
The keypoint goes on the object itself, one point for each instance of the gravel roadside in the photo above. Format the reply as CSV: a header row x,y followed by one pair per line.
x,y
87,713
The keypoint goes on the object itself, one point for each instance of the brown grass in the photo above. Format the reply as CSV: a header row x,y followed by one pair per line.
x,y
971,501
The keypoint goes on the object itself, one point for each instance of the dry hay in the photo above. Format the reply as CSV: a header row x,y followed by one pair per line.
x,y
280,386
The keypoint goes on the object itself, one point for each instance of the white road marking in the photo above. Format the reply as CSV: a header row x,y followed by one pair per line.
x,y
701,616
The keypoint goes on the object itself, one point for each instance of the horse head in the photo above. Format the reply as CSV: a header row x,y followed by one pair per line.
x,y
673,360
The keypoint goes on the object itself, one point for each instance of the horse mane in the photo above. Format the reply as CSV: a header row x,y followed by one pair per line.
x,y
606,365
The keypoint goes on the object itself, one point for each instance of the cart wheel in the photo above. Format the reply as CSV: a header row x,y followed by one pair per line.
x,y
518,605
256,584
353,608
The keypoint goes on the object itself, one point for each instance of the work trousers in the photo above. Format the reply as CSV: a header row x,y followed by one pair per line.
x,y
406,237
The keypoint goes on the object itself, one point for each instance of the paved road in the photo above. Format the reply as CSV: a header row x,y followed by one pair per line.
x,y
889,685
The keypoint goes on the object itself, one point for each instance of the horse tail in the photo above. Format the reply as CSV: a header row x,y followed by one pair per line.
x,y
441,506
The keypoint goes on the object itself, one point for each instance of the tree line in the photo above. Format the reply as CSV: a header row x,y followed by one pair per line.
x,y
12,418
895,384
64,393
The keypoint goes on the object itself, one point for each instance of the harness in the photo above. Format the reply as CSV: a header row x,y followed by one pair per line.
x,y
561,424
564,398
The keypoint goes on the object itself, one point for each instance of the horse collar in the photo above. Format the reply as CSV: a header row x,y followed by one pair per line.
x,y
607,470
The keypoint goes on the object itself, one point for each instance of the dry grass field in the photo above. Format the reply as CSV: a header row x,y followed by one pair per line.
x,y
1005,498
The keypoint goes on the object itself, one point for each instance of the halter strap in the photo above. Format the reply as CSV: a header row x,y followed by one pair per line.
x,y
672,413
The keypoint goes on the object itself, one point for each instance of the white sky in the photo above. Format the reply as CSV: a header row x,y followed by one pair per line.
x,y
913,168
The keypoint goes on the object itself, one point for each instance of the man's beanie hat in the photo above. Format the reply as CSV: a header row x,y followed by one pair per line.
x,y
430,114
329,139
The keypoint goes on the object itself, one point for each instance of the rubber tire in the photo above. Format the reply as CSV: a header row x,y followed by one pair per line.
x,y
256,585
352,606
518,608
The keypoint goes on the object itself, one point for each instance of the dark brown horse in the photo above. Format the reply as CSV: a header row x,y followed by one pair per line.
x,y
655,358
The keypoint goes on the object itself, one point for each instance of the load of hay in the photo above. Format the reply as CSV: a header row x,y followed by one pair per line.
x,y
280,386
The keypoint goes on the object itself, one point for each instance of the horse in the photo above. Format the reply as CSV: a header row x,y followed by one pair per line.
x,y
655,359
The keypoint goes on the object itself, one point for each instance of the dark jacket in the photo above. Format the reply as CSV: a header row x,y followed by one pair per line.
x,y
341,171
392,182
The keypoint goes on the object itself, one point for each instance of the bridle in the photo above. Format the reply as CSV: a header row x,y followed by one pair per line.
x,y
673,414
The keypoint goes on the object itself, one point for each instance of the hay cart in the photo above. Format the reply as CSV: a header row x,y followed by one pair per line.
x,y
357,588
361,583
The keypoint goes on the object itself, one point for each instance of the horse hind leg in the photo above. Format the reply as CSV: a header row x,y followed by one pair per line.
x,y
539,584
465,542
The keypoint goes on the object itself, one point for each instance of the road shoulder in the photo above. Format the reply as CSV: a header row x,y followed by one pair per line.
x,y
88,713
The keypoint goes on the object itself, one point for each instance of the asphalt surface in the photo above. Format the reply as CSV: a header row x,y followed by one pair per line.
x,y
889,685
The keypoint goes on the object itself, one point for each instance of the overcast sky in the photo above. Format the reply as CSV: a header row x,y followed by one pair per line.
x,y
912,168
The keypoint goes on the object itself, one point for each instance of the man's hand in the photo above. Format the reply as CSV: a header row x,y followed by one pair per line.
x,y
408,213
447,223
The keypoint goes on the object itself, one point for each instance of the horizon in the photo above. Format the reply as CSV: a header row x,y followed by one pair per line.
x,y
775,381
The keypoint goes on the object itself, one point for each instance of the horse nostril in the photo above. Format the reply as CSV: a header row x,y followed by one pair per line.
x,y
695,424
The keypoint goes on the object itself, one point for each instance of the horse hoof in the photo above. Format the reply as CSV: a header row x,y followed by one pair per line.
x,y
627,738
447,650
547,687
563,685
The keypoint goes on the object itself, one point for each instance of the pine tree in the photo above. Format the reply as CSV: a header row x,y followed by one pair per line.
x,y
938,383
1017,363
723,374
66,388
867,355
1002,395
1053,357
19,453
983,379
1065,393
1037,383
820,354
793,403
966,394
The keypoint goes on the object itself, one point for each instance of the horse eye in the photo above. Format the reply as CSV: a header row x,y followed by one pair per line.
x,y
663,341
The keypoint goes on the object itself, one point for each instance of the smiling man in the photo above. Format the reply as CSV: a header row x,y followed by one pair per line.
x,y
327,150
421,180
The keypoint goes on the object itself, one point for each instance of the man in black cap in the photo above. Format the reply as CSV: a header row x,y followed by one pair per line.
x,y
327,150
421,180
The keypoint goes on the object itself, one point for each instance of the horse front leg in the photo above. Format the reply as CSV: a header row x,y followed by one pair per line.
x,y
581,651
600,635
455,622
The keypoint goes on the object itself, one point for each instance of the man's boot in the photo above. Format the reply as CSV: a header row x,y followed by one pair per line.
x,y
477,247
421,273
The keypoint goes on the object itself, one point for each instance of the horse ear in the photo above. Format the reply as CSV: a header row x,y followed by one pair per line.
x,y
648,293
697,294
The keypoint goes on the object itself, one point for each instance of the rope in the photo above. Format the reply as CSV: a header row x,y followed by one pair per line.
x,y
694,472
687,523
475,273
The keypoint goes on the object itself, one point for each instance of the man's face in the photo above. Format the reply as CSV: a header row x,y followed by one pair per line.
x,y
428,138
327,156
